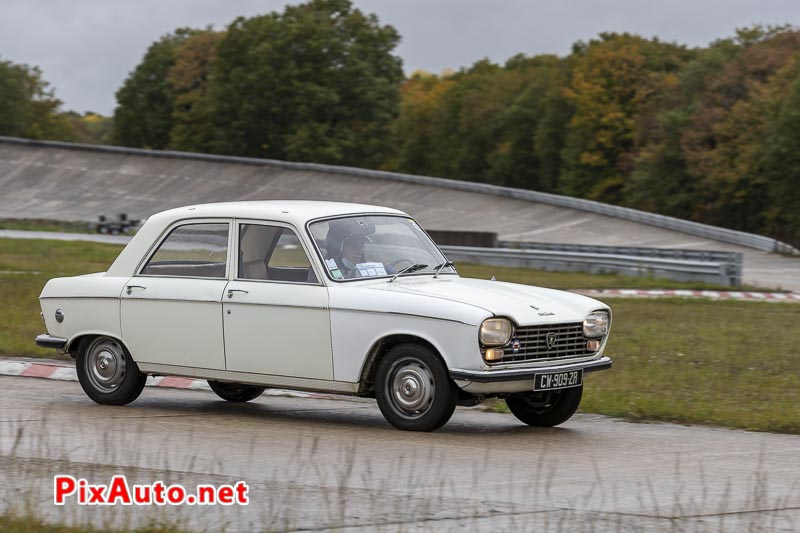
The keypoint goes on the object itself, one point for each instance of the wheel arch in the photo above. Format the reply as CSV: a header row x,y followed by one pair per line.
x,y
77,342
380,348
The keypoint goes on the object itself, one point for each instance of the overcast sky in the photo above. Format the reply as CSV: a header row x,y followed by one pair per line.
x,y
86,48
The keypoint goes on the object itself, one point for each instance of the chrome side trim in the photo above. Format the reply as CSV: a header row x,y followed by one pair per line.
x,y
80,297
372,312
488,376
306,384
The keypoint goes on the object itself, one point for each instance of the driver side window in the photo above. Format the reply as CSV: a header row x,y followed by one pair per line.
x,y
272,253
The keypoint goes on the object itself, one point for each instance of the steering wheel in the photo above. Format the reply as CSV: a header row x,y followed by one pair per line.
x,y
396,262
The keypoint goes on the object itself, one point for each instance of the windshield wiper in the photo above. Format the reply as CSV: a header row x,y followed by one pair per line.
x,y
408,270
438,268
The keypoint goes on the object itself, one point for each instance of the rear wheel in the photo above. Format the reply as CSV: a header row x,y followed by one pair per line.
x,y
546,408
235,392
413,389
107,373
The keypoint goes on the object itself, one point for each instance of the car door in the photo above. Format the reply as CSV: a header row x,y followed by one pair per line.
x,y
275,311
171,310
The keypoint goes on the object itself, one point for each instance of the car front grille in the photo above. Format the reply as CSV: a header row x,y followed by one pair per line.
x,y
568,342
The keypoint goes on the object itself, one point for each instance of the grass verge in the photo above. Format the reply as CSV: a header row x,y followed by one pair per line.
x,y
582,280
725,363
40,224
25,267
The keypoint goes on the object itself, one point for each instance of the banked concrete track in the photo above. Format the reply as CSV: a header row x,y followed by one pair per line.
x,y
78,182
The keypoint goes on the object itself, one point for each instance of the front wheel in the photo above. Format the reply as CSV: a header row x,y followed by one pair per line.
x,y
413,389
546,408
235,392
107,373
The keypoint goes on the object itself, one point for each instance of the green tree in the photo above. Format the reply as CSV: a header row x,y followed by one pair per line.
x,y
315,83
27,107
88,128
530,130
188,82
417,129
778,160
614,80
144,114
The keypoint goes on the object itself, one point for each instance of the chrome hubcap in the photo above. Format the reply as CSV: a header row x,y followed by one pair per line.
x,y
105,365
412,387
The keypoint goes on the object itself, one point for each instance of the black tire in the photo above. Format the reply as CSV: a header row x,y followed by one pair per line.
x,y
107,372
235,392
546,409
414,390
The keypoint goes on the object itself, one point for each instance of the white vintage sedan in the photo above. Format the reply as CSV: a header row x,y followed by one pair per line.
x,y
321,296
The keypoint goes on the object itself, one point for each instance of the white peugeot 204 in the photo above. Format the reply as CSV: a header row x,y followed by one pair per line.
x,y
320,296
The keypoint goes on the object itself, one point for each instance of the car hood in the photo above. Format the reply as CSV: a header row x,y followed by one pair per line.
x,y
525,304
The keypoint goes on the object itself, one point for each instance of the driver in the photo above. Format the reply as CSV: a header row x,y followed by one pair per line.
x,y
352,253
345,245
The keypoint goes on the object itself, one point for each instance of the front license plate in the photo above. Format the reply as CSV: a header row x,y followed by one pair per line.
x,y
558,380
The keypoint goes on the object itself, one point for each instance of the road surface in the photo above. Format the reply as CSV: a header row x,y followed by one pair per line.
x,y
316,463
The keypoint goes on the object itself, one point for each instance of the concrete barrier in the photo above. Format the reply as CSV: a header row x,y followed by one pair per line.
x,y
79,182
740,238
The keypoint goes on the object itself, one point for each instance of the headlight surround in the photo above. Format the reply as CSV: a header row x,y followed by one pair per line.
x,y
496,332
596,324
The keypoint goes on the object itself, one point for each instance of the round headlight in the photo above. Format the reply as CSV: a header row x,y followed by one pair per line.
x,y
596,324
495,331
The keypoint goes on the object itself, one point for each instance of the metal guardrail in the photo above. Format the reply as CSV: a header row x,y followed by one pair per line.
x,y
741,238
677,269
733,261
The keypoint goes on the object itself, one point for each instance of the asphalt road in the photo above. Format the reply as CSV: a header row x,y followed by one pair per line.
x,y
335,464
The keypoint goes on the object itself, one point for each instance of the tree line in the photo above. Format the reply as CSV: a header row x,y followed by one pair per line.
x,y
710,134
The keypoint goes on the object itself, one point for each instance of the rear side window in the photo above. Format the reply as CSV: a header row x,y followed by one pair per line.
x,y
272,253
191,250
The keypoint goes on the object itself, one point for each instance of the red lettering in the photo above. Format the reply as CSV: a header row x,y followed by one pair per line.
x,y
241,493
119,491
175,494
206,495
63,486
158,492
142,494
96,494
225,495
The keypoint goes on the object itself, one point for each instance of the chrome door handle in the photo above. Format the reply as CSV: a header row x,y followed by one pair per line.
x,y
231,291
130,288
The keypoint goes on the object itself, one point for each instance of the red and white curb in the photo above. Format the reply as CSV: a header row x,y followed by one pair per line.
x,y
682,293
66,372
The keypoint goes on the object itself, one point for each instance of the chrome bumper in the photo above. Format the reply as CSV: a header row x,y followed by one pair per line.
x,y
524,374
48,341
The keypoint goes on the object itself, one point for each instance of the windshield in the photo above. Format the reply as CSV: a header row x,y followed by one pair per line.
x,y
375,246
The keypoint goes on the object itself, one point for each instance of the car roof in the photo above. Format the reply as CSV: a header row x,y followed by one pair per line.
x,y
294,212
297,212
